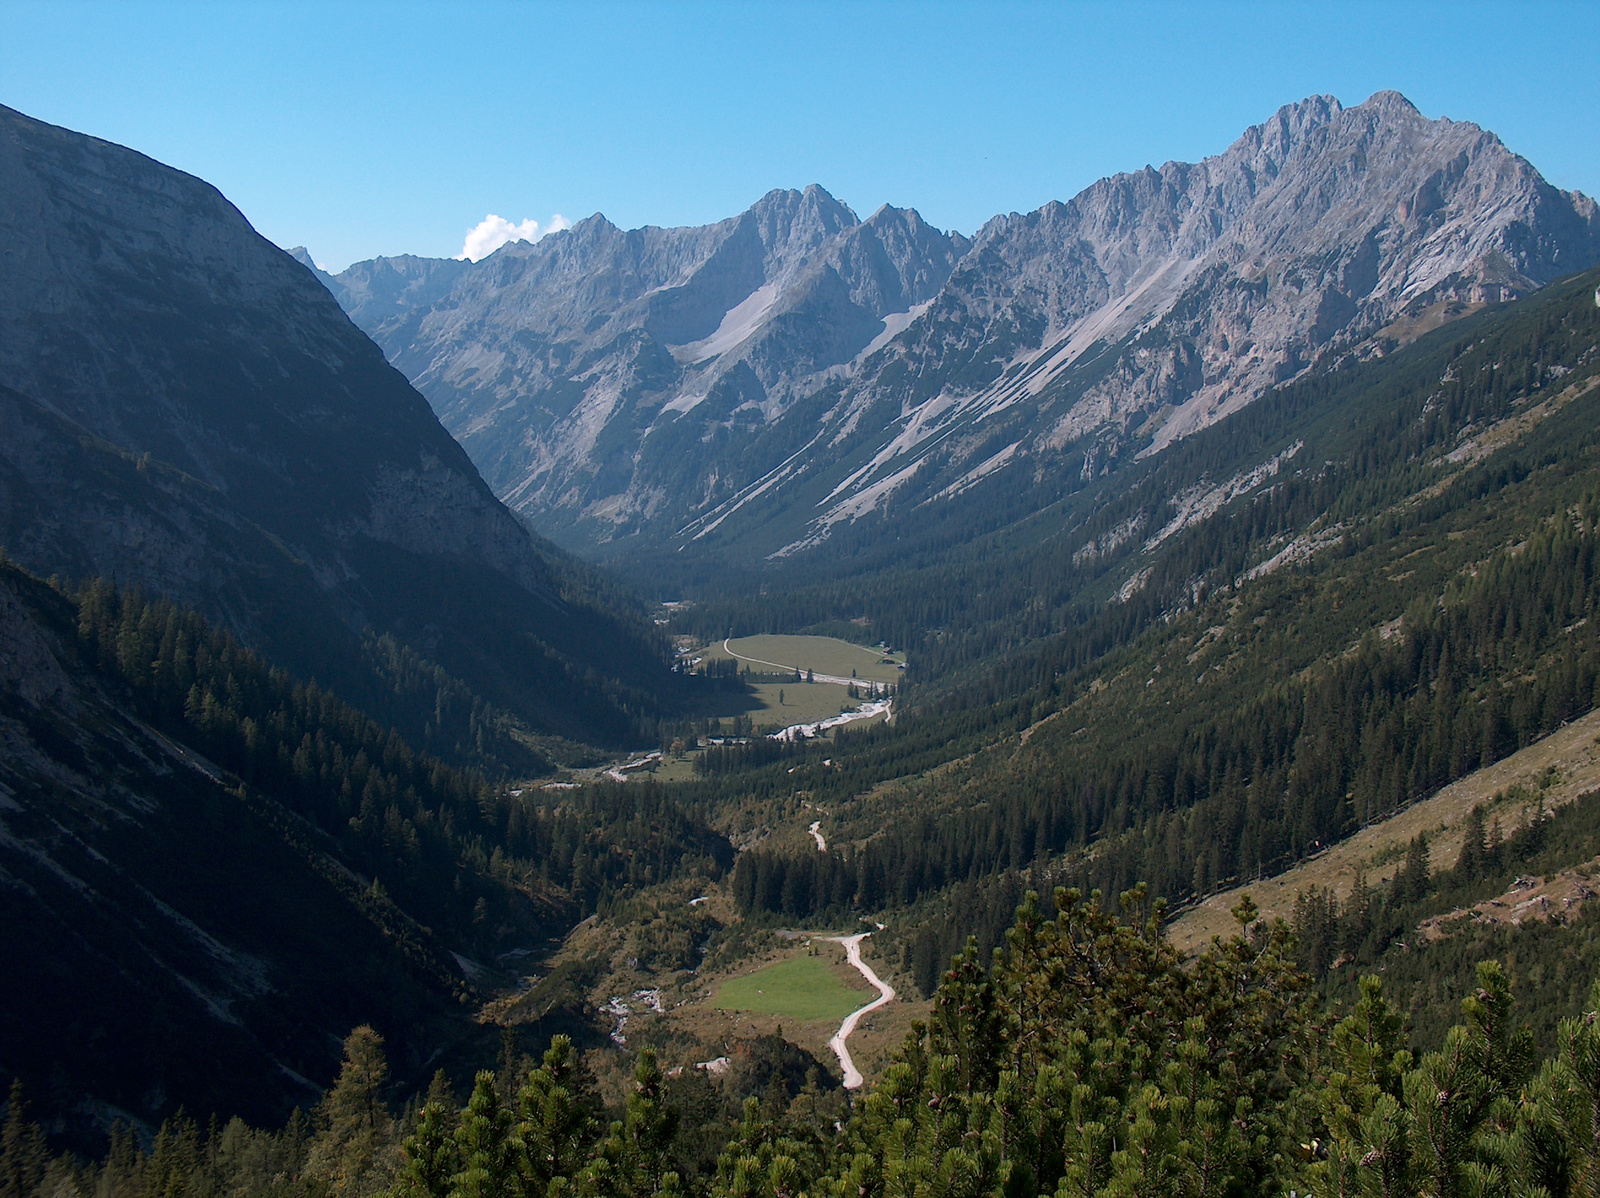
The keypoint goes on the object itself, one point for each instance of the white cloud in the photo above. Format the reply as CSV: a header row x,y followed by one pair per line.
x,y
493,231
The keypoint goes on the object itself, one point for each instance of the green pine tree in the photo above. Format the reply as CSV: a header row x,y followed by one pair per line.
x,y
23,1152
634,1159
432,1156
558,1122
489,1146
1368,1130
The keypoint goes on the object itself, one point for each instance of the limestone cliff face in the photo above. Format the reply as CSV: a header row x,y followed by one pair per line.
x,y
1312,233
190,410
1155,303
679,384
577,369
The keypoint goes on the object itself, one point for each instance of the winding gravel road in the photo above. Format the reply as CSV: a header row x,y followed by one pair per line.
x,y
852,950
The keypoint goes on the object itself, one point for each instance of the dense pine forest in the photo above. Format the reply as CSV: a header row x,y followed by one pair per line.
x,y
154,763
1299,765
461,855
1085,1058
1443,622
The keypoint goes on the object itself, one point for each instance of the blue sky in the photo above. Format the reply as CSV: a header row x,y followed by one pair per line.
x,y
362,129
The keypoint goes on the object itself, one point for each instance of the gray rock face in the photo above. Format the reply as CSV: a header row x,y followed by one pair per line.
x,y
1311,233
767,378
187,409
376,291
554,362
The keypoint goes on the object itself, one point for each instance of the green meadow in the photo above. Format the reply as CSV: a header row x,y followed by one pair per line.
x,y
802,988
824,654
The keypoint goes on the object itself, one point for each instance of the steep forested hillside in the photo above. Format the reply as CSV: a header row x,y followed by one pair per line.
x,y
1328,606
1015,573
210,870
186,409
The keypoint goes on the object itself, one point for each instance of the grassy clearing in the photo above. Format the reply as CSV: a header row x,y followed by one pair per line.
x,y
803,702
824,654
1554,770
671,769
712,1028
808,989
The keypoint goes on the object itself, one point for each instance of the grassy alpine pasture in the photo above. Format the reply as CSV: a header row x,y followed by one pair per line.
x,y
1551,772
824,654
808,989
803,702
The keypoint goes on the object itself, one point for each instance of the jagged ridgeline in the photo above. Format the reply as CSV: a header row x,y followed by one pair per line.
x,y
1280,657
213,869
798,391
187,410
1086,1059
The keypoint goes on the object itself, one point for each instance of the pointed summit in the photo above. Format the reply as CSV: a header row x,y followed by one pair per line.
x,y
1392,102
812,214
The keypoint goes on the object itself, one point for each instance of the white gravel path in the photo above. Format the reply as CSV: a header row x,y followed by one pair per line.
x,y
852,950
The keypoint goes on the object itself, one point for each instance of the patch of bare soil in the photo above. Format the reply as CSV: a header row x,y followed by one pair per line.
x,y
1557,898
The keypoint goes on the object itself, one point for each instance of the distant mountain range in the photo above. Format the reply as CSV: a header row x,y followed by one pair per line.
x,y
746,388
186,410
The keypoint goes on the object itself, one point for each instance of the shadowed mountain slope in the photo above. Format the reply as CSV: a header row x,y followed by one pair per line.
x,y
188,410
171,938
210,871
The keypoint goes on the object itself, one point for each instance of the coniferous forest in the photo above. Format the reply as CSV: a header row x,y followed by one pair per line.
x,y
1085,1058
1218,723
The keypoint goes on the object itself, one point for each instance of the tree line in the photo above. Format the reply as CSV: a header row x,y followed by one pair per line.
x,y
464,857
961,597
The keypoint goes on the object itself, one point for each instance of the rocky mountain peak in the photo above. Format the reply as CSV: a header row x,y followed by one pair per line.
x,y
794,225
1389,102
731,321
812,207
1192,288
